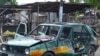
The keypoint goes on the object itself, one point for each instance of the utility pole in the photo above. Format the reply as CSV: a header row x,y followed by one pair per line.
x,y
61,11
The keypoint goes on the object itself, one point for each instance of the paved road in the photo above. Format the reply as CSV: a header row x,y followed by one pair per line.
x,y
97,52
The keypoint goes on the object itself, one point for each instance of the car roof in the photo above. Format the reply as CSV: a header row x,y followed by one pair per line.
x,y
63,24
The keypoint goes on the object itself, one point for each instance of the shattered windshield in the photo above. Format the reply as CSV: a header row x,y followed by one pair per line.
x,y
45,32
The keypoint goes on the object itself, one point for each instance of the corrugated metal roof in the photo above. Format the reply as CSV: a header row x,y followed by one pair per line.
x,y
45,7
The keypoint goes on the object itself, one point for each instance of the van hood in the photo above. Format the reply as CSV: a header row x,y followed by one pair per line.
x,y
22,42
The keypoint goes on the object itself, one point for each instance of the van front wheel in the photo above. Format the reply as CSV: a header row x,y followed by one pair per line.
x,y
91,51
48,54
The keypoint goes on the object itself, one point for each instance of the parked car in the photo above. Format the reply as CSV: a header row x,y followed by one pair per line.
x,y
53,39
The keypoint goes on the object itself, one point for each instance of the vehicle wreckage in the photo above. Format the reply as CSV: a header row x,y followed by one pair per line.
x,y
53,39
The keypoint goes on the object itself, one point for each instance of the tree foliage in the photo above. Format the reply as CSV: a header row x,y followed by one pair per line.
x,y
8,2
94,2
71,1
74,1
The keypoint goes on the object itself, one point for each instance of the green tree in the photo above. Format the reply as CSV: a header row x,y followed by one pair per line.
x,y
8,2
13,2
74,1
71,1
94,2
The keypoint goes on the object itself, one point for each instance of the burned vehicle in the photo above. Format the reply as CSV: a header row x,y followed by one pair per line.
x,y
53,39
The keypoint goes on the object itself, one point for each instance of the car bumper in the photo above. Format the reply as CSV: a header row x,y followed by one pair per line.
x,y
11,54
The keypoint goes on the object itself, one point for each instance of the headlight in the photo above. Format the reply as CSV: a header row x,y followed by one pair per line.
x,y
26,51
3,48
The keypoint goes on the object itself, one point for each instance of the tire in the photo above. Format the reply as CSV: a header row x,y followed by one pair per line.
x,y
91,51
48,54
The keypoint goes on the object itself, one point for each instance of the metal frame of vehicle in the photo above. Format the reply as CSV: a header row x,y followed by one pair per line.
x,y
83,43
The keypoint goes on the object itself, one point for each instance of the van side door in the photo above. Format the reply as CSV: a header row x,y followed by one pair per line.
x,y
80,39
21,29
64,42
